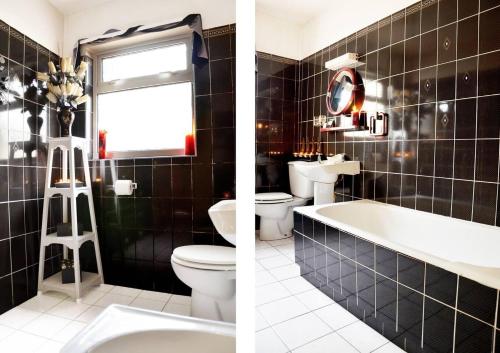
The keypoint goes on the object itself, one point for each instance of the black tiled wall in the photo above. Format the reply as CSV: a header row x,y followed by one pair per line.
x,y
170,207
26,120
276,116
419,307
434,67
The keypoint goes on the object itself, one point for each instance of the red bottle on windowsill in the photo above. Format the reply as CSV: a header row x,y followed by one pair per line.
x,y
102,144
189,145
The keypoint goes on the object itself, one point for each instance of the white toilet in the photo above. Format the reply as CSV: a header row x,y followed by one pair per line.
x,y
210,270
276,208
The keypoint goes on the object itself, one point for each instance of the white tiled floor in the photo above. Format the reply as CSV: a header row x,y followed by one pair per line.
x,y
45,323
293,316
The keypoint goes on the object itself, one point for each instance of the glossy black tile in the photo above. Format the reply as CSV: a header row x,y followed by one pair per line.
x,y
429,16
332,238
396,62
308,257
428,49
426,149
487,160
488,20
411,272
477,300
412,23
320,263
319,232
297,222
4,39
425,194
222,70
467,8
410,307
20,287
441,284
489,73
447,43
348,281
472,335
446,81
365,284
488,127
467,32
365,253
411,90
466,78
347,244
441,203
412,54
5,294
333,271
16,46
427,84
444,158
439,325
465,119
386,262
386,302
464,153
462,199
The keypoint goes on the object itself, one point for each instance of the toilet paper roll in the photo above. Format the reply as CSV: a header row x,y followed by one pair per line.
x,y
124,187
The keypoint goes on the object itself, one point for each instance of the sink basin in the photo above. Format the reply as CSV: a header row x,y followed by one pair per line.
x,y
324,175
223,216
327,172
123,329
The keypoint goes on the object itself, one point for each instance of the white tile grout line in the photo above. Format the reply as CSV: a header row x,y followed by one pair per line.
x,y
271,326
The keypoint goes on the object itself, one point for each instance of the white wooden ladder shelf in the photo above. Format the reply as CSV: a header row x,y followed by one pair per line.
x,y
75,241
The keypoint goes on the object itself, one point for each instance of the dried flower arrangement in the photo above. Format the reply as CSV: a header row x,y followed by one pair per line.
x,y
65,90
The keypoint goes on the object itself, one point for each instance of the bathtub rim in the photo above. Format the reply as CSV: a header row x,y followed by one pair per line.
x,y
487,276
93,335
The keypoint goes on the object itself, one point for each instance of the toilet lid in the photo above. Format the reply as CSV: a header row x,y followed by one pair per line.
x,y
272,197
206,254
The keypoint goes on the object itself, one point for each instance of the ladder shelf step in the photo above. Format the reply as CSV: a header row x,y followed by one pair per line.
x,y
69,241
54,283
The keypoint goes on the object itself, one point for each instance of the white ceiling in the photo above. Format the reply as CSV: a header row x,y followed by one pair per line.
x,y
68,7
297,11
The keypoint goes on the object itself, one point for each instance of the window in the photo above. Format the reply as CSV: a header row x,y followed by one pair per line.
x,y
144,99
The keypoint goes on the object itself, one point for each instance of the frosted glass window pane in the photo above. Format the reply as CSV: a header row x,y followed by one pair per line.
x,y
145,63
153,118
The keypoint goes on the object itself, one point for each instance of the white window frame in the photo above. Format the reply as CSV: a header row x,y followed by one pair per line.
x,y
101,87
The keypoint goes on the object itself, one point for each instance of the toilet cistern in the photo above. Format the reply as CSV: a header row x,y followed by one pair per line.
x,y
223,216
324,175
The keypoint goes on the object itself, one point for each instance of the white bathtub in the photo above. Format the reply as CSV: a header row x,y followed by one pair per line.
x,y
466,248
122,329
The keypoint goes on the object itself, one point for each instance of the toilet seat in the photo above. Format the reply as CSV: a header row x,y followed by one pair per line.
x,y
272,197
207,257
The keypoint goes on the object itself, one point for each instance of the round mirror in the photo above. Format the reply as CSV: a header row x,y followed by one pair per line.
x,y
345,92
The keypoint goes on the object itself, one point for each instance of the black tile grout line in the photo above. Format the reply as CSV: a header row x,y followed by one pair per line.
x,y
400,283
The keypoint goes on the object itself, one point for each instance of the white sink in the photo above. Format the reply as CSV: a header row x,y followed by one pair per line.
x,y
324,175
123,329
327,172
223,216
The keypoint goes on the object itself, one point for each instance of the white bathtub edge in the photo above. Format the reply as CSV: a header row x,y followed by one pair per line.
x,y
487,276
119,320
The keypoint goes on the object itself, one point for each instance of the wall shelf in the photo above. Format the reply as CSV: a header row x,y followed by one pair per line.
x,y
343,128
